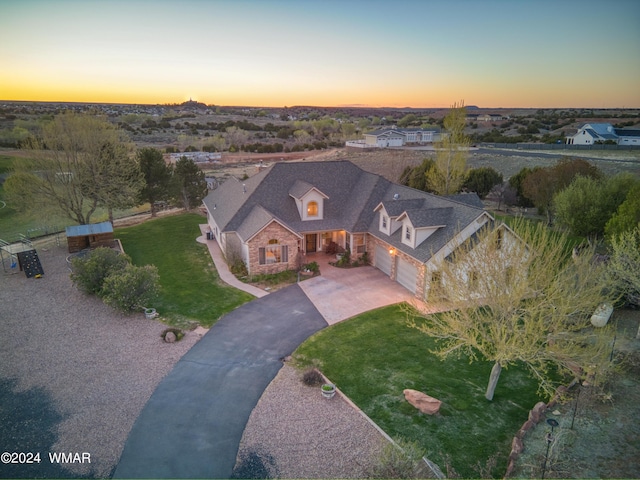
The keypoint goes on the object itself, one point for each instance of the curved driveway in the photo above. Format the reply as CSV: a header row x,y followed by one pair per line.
x,y
185,430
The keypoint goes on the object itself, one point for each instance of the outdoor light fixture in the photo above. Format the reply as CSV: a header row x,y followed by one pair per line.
x,y
549,438
392,251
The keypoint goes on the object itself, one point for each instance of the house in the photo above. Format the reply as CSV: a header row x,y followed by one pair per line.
x,y
276,219
592,133
398,137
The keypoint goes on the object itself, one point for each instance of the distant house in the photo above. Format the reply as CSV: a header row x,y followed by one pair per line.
x,y
592,133
396,137
490,117
277,218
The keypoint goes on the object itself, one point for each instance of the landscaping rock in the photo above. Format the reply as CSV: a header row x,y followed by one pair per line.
x,y
536,414
422,401
170,337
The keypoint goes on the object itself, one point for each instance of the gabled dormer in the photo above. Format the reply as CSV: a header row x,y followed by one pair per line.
x,y
309,200
390,211
420,224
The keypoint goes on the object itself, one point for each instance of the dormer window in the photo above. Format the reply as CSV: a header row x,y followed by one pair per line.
x,y
312,209
385,220
407,233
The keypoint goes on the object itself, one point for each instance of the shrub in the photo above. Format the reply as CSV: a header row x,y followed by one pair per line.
x,y
312,378
403,462
90,272
312,267
132,288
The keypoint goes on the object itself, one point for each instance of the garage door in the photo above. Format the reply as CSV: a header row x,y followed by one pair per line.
x,y
406,275
383,259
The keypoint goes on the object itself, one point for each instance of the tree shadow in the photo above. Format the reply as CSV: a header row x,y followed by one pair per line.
x,y
28,421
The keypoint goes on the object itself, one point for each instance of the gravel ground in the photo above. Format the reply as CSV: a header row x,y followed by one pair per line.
x,y
294,432
74,374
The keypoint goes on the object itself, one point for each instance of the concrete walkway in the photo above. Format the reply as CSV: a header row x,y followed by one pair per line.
x,y
223,268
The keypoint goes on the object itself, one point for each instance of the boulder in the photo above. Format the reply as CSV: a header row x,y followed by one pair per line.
x,y
517,446
536,414
169,337
422,401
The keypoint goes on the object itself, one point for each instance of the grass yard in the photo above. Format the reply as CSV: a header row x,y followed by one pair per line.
x,y
191,288
38,223
375,356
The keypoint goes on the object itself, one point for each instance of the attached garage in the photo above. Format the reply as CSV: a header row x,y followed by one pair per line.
x,y
406,275
383,259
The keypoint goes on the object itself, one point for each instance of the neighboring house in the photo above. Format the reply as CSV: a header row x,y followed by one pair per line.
x,y
490,117
592,133
396,137
275,218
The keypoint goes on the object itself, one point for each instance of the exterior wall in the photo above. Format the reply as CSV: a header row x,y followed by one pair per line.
x,y
284,237
582,138
372,242
312,196
629,141
510,257
214,228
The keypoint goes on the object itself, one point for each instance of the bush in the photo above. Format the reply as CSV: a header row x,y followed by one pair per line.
x,y
403,462
132,288
312,378
312,267
90,272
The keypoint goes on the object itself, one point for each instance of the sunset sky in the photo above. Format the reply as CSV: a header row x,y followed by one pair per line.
x,y
418,53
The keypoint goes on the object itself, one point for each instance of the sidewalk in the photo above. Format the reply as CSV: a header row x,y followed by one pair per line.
x,y
223,268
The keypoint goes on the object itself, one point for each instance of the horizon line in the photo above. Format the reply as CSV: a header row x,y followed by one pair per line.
x,y
360,106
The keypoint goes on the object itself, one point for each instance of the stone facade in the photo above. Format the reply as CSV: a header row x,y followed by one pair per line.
x,y
274,231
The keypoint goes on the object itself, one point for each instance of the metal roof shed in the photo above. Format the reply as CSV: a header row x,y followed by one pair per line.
x,y
94,235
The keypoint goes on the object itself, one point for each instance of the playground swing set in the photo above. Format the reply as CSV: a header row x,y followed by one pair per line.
x,y
20,257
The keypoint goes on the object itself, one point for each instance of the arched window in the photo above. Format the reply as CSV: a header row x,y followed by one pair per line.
x,y
312,209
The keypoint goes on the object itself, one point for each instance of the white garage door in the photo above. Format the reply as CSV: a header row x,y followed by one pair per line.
x,y
383,259
407,275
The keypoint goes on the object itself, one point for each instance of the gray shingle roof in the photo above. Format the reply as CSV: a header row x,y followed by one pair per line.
x,y
430,217
353,195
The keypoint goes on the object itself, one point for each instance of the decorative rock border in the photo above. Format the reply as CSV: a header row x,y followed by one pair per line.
x,y
536,415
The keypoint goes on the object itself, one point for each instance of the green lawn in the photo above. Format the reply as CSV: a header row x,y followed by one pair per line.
x,y
35,224
191,288
375,356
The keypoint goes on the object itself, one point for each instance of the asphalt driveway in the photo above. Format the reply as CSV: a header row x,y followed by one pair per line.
x,y
185,430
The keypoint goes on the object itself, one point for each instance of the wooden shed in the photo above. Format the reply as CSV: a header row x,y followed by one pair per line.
x,y
94,235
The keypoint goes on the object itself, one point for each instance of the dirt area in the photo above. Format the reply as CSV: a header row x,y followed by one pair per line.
x,y
390,163
598,435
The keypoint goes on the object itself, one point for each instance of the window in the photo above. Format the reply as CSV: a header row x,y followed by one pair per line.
x,y
407,233
384,221
312,209
358,241
273,253
499,236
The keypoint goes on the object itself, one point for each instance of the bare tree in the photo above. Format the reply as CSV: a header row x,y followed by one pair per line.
x,y
448,174
518,298
76,164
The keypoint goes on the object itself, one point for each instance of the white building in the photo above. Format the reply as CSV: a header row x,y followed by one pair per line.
x,y
398,137
592,133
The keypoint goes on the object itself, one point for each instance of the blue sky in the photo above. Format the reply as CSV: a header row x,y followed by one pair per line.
x,y
421,53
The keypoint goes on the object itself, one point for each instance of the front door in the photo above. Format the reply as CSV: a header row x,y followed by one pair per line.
x,y
312,242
